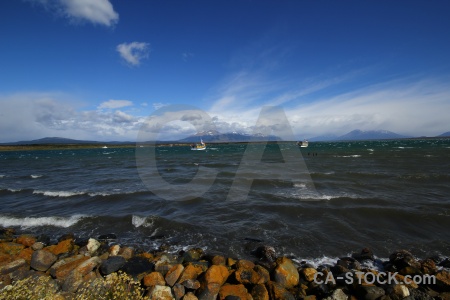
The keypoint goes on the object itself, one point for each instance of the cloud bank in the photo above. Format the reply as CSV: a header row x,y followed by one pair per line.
x,y
133,53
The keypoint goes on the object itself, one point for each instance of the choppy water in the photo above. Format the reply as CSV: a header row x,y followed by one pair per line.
x,y
384,195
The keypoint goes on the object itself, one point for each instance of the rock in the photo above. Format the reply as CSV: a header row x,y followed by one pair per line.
x,y
109,236
26,240
26,254
191,284
178,291
114,250
173,274
193,255
286,273
42,260
137,266
72,282
64,246
337,294
92,246
402,259
231,262
400,278
428,266
245,273
400,291
308,273
278,292
160,292
190,296
259,292
237,290
126,252
44,239
443,281
263,274
415,294
218,260
369,292
67,236
112,264
445,263
154,278
190,272
88,265
37,246
366,254
265,253
62,268
214,278
11,248
12,266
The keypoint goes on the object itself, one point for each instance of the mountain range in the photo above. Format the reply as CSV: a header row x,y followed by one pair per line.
x,y
215,136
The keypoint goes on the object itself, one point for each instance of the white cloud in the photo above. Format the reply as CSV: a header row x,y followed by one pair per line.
x,y
94,11
112,104
159,105
133,52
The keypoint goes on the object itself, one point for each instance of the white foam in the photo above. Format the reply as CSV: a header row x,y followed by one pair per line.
x,y
371,150
36,176
27,222
141,221
58,193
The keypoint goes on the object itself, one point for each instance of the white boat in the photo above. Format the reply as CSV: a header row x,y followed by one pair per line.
x,y
201,146
303,144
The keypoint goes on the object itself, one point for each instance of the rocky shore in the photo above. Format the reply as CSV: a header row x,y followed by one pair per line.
x,y
31,267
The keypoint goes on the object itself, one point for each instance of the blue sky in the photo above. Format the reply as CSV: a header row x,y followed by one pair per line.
x,y
96,69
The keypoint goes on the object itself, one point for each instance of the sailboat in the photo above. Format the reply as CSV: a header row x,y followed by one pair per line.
x,y
201,146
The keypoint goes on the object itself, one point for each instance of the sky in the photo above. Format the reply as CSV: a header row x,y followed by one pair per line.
x,y
103,69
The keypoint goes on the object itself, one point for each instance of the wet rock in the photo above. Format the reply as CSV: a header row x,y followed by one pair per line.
x,y
92,246
365,254
218,260
112,264
11,248
72,282
137,266
12,266
402,259
42,260
109,236
44,239
26,239
259,292
415,294
265,253
398,291
154,278
190,296
160,292
445,263
67,236
285,273
190,272
173,274
64,246
369,292
193,255
245,273
191,284
237,290
400,278
263,274
62,268
88,265
278,292
178,291
349,263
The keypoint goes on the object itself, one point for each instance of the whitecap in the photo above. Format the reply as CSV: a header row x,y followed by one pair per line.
x,y
58,193
36,176
27,222
138,221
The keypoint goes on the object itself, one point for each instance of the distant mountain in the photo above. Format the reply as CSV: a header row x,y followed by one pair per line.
x,y
370,135
444,134
61,141
323,138
214,136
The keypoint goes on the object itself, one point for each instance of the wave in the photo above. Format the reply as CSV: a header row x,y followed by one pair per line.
x,y
138,221
354,155
27,222
36,176
63,194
